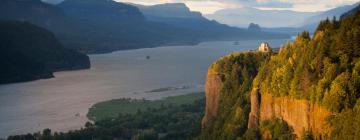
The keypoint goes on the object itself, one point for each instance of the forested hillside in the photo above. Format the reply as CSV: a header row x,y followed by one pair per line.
x,y
324,70
313,76
29,52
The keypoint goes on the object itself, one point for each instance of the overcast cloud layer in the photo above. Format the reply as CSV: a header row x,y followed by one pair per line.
x,y
210,6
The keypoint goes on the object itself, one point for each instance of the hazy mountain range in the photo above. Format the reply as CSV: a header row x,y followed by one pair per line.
x,y
179,15
241,17
351,12
312,22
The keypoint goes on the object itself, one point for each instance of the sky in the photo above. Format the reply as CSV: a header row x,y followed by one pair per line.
x,y
211,6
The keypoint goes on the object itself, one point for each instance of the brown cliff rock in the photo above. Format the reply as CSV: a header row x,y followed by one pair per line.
x,y
301,115
212,91
255,106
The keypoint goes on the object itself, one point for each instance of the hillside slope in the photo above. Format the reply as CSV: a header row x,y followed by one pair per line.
x,y
29,52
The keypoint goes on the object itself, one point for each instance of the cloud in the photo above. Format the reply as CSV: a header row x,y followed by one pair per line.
x,y
210,6
275,4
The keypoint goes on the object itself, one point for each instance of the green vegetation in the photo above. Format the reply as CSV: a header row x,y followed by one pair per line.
x,y
346,125
167,122
238,71
112,108
28,52
278,130
324,69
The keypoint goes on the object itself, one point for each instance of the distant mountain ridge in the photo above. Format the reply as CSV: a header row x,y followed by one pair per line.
x,y
169,10
118,26
242,17
100,26
34,11
351,12
94,10
179,15
312,22
272,20
93,26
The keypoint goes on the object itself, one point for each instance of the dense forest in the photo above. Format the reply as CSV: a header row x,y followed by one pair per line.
x,y
29,52
175,122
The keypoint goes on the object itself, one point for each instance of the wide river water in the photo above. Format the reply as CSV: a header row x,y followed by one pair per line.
x,y
61,103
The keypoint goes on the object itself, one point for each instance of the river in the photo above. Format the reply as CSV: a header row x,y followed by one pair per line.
x,y
61,103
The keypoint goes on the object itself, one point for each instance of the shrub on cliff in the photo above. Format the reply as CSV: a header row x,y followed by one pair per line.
x,y
277,130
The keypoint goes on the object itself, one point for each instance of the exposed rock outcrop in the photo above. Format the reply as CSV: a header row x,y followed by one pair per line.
x,y
255,99
212,90
301,115
254,27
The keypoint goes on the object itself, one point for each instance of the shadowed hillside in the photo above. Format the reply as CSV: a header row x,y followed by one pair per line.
x,y
29,52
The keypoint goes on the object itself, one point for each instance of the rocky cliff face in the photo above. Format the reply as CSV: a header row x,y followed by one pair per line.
x,y
301,115
212,90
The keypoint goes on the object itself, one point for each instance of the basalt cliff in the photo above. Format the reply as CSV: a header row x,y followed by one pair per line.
x,y
308,90
301,115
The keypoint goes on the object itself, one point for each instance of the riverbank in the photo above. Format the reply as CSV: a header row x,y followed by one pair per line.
x,y
175,117
112,108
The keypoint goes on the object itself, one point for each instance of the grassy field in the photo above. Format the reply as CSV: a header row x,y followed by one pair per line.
x,y
111,109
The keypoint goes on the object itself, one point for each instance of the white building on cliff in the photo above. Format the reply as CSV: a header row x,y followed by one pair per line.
x,y
265,47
